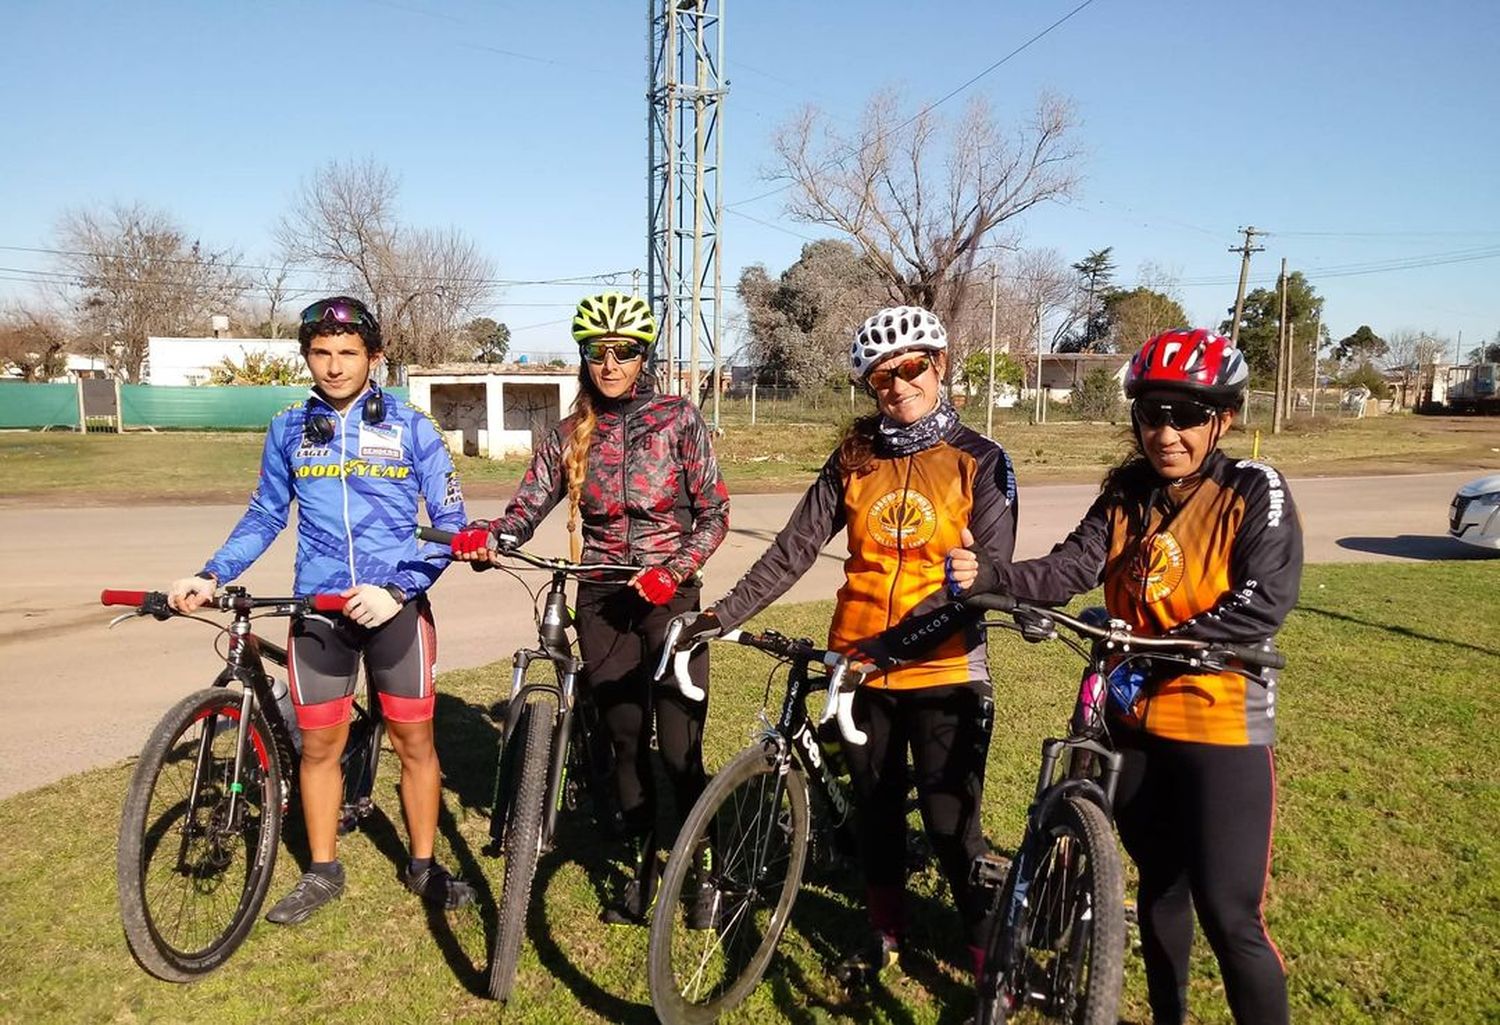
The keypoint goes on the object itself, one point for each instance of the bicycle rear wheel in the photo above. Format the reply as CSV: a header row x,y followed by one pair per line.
x,y
197,846
1059,947
754,820
523,838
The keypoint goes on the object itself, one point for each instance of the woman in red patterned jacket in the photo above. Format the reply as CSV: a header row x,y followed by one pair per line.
x,y
638,471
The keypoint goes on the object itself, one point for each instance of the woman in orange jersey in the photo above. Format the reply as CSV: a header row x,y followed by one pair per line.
x,y
907,484
1187,542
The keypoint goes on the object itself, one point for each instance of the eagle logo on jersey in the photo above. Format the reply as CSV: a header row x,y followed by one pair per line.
x,y
902,520
1158,566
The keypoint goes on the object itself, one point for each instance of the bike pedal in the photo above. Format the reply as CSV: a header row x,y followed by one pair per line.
x,y
989,869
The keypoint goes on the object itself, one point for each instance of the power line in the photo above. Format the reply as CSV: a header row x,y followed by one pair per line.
x,y
1370,267
605,277
927,109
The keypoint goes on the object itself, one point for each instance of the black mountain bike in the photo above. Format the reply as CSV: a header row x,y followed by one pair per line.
x,y
756,818
203,812
1057,948
551,750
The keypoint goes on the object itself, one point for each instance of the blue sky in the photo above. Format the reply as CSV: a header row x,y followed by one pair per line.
x,y
1359,132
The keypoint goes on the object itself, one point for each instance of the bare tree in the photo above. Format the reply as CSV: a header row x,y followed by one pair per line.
x,y
140,275
423,284
920,202
34,341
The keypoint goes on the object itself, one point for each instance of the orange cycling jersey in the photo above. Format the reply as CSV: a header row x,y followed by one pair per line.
x,y
902,514
1218,558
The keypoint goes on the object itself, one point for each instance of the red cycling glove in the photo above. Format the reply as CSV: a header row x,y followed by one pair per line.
x,y
471,541
656,585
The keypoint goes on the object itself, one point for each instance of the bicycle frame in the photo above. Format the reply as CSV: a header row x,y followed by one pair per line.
x,y
555,647
795,735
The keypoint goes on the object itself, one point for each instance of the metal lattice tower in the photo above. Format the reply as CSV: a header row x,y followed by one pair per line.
x,y
684,202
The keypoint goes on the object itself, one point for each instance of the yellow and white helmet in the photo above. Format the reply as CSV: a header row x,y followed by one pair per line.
x,y
614,315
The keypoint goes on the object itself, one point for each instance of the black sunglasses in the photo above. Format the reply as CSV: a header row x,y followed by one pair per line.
x,y
625,350
338,310
1179,414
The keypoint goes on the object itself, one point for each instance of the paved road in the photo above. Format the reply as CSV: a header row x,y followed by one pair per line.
x,y
73,696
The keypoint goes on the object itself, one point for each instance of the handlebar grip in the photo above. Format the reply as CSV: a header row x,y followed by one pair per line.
x,y
441,537
991,602
113,597
328,602
685,684
1255,655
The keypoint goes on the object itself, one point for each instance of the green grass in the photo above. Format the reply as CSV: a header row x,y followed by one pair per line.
x,y
1385,899
782,451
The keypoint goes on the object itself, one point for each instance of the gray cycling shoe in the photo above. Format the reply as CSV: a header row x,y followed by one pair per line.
x,y
312,891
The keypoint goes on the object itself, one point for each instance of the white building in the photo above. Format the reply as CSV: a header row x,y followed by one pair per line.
x,y
189,361
493,410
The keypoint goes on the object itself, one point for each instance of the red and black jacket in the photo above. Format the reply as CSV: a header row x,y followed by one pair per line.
x,y
652,495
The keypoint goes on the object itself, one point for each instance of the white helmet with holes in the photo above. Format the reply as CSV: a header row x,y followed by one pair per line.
x,y
892,330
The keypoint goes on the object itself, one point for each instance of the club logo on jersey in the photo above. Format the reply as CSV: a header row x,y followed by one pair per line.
x,y
1159,566
902,520
380,441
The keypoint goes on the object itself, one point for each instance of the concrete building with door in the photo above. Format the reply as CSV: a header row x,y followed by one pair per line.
x,y
493,410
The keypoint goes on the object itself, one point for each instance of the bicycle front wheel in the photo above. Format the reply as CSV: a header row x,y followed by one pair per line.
x,y
523,838
752,823
1059,947
197,843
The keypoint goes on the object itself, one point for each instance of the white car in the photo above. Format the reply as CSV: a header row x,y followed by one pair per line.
x,y
1474,516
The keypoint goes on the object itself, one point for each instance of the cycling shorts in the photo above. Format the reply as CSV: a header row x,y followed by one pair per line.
x,y
399,657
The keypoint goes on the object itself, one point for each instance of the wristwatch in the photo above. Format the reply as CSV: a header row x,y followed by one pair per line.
x,y
397,593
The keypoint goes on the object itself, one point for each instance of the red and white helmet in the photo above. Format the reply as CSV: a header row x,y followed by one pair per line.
x,y
1191,361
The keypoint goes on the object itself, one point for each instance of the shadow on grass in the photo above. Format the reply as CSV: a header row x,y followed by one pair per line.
x,y
1398,630
578,841
1420,547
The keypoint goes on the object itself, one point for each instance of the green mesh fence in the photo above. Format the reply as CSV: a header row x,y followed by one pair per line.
x,y
38,405
145,405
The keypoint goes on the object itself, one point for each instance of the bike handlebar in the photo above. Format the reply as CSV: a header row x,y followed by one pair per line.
x,y
840,705
154,603
1117,635
445,537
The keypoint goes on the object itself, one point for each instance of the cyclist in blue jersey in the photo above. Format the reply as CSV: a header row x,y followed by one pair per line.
x,y
358,462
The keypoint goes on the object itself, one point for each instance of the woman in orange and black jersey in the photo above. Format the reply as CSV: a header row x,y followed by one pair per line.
x,y
1187,542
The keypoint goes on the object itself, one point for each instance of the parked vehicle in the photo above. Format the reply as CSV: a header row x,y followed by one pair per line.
x,y
1474,516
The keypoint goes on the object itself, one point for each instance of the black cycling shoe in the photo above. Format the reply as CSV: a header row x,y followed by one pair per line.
x,y
865,967
701,898
701,906
438,887
635,903
312,891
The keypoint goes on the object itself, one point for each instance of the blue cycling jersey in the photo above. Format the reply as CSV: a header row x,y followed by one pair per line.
x,y
357,498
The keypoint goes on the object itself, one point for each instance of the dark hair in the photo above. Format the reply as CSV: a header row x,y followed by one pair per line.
x,y
369,331
857,447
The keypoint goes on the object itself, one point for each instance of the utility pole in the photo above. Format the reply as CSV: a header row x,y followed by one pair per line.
x,y
1291,386
1239,296
1276,406
1316,344
989,409
1041,403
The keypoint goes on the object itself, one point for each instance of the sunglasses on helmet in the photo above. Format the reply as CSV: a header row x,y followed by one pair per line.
x,y
626,350
907,370
1179,414
341,311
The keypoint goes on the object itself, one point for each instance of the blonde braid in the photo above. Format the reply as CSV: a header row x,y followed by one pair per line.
x,y
576,462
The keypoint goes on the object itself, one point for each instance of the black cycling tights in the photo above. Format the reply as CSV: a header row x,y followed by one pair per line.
x,y
947,730
1197,820
620,639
